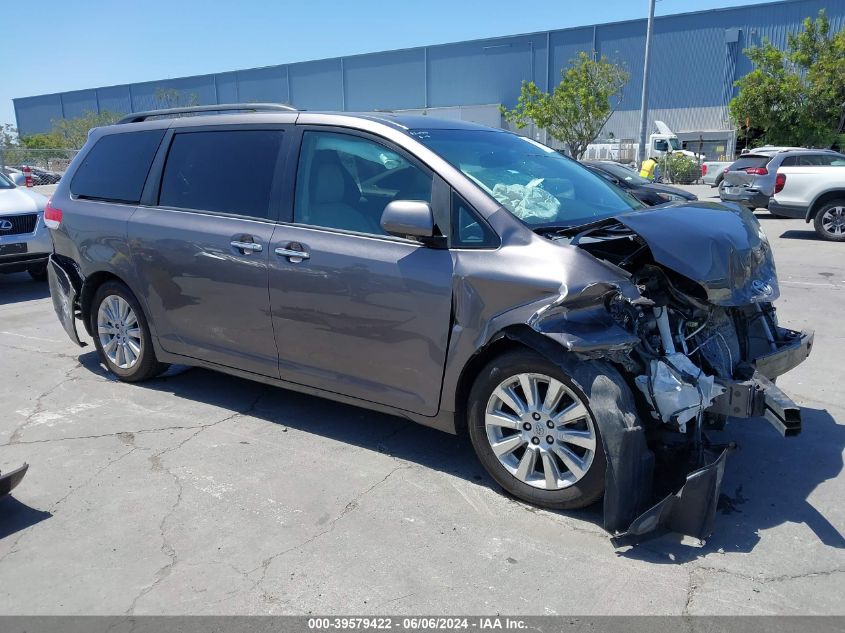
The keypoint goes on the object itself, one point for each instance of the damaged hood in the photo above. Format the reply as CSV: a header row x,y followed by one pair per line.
x,y
721,248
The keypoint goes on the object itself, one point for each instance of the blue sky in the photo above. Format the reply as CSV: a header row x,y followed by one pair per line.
x,y
60,45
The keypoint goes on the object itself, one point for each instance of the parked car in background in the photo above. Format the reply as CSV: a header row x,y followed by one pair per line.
x,y
712,171
815,193
42,176
641,188
24,240
463,277
750,180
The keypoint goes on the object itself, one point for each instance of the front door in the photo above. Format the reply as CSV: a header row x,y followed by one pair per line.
x,y
201,252
356,311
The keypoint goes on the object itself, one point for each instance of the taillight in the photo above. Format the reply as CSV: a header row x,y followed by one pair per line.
x,y
780,181
703,169
52,215
757,171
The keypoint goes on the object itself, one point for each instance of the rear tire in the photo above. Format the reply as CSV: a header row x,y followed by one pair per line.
x,y
550,454
829,221
121,334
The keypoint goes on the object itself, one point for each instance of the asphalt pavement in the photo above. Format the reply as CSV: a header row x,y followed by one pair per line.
x,y
199,493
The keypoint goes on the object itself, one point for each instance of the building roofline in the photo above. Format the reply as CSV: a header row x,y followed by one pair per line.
x,y
421,47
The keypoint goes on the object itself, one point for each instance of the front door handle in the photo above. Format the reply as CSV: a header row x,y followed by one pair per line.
x,y
293,252
247,247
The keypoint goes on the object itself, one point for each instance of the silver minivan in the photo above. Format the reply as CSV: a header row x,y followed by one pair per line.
x,y
459,276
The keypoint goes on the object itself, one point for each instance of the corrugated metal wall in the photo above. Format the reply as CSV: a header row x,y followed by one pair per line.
x,y
697,56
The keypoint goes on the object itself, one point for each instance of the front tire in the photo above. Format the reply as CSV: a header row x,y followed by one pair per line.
x,y
121,334
534,432
829,221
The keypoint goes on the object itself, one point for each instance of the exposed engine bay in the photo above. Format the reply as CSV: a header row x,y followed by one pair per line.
x,y
704,345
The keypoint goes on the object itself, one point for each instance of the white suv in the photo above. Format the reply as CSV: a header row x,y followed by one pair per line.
x,y
24,240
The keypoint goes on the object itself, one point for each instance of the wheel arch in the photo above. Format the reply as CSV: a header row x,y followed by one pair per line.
x,y
89,288
821,200
513,337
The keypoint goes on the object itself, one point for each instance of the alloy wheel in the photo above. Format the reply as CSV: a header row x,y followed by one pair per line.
x,y
833,221
540,430
119,332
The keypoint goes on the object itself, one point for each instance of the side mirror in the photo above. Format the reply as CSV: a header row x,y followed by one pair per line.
x,y
408,218
18,178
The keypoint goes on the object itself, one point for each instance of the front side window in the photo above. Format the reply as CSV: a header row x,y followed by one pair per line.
x,y
223,171
535,183
345,182
468,229
116,168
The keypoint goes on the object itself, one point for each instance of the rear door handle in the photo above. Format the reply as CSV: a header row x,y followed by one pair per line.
x,y
293,252
247,247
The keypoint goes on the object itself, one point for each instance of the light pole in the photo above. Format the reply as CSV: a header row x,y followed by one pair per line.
x,y
644,104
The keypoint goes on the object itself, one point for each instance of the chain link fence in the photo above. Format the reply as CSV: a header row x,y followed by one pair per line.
x,y
46,165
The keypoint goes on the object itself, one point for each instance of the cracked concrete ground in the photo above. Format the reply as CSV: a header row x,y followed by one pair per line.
x,y
199,493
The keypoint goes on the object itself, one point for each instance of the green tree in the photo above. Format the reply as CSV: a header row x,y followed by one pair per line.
x,y
796,96
172,98
579,106
69,133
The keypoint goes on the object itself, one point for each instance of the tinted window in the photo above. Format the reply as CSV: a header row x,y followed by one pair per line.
x,y
746,162
117,166
227,171
468,229
819,160
344,182
789,161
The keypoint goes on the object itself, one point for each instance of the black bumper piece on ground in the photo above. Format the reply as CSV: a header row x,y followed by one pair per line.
x,y
11,479
690,511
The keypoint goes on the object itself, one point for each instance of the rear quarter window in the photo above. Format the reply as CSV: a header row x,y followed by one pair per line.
x,y
116,168
223,171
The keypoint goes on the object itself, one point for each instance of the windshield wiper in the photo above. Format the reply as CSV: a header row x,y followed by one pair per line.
x,y
568,229
606,227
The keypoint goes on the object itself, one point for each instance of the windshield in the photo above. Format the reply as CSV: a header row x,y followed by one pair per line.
x,y
534,182
622,173
5,183
675,143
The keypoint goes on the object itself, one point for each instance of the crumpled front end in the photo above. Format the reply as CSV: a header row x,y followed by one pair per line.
x,y
697,343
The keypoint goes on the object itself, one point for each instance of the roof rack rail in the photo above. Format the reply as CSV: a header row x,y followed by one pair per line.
x,y
136,117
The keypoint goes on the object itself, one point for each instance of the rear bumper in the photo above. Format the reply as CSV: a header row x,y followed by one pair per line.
x,y
64,291
752,199
787,210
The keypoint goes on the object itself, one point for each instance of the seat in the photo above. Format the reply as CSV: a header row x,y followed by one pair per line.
x,y
335,199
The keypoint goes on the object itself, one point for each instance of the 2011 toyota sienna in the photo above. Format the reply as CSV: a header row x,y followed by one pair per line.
x,y
463,277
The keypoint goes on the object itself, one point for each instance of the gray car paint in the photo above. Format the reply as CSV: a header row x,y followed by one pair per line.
x,y
520,283
389,323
